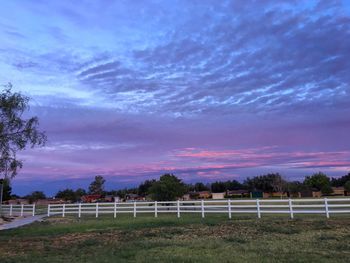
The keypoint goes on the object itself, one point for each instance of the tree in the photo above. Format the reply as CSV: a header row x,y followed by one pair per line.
x,y
347,186
6,184
198,187
35,196
67,195
167,188
267,183
145,186
79,193
16,132
218,187
295,187
97,186
337,182
320,181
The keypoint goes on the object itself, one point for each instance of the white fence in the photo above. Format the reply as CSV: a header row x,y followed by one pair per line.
x,y
18,210
230,207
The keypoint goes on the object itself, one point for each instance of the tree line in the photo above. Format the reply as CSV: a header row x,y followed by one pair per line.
x,y
168,187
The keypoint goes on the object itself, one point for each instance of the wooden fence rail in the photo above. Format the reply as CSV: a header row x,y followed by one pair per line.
x,y
258,207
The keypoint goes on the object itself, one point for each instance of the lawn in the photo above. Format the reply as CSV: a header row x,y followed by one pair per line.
x,y
188,239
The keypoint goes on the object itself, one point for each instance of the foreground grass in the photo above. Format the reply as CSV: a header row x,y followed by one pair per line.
x,y
188,239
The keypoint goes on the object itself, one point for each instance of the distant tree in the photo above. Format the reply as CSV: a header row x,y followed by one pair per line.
x,y
14,196
326,189
320,181
347,186
218,187
145,186
16,132
6,189
79,193
67,195
234,185
295,187
337,182
35,196
97,186
267,183
198,187
167,188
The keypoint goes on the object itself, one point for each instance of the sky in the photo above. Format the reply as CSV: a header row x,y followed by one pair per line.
x,y
207,90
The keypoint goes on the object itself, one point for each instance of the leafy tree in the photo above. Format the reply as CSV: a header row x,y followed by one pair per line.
x,y
337,182
234,185
97,186
35,196
295,187
218,187
16,132
347,186
79,193
6,189
198,187
267,183
167,188
326,189
320,181
67,195
145,186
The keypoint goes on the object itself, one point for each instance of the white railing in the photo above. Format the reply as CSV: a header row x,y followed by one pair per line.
x,y
18,210
230,207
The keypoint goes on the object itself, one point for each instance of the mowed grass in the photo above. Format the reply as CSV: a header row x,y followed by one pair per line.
x,y
188,239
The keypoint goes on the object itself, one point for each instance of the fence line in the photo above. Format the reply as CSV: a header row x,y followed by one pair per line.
x,y
259,207
253,206
19,210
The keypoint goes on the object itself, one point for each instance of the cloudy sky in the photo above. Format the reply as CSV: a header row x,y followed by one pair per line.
x,y
207,90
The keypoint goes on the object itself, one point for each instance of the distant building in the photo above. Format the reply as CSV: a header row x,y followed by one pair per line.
x,y
275,194
134,197
339,191
90,198
108,198
218,195
186,197
200,195
18,201
241,193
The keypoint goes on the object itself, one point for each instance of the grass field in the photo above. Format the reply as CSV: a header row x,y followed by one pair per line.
x,y
188,239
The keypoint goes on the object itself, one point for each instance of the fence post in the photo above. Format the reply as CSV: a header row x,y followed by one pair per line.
x,y
155,209
229,208
33,210
11,210
134,209
326,207
291,209
96,209
48,209
258,208
178,208
115,209
22,207
202,206
63,210
79,210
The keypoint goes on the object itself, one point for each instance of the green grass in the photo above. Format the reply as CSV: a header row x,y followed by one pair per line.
x,y
188,239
